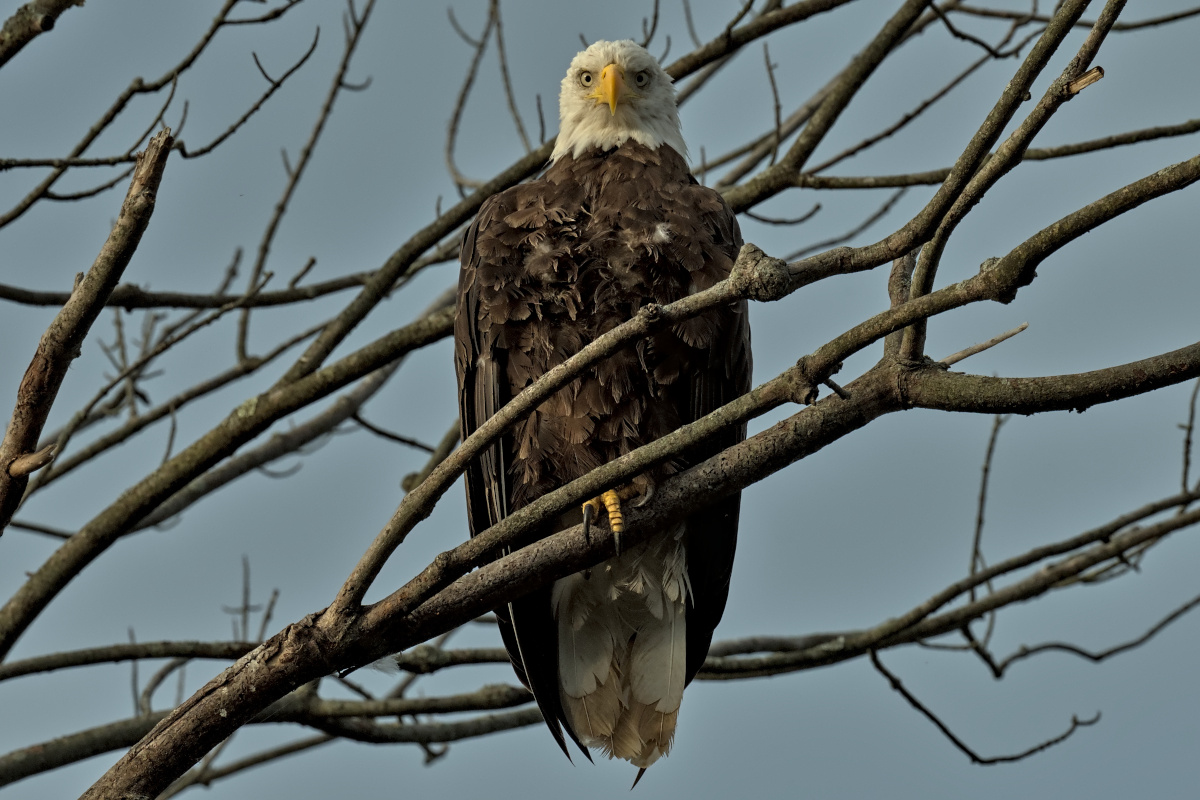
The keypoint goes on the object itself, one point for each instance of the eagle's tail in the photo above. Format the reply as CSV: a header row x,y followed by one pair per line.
x,y
622,637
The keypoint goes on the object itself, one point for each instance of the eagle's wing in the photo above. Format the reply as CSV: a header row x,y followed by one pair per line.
x,y
712,534
483,389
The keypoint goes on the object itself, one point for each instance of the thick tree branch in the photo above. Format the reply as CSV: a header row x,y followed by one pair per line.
x,y
955,391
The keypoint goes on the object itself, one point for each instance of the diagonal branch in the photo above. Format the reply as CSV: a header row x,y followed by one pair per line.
x,y
30,20
62,341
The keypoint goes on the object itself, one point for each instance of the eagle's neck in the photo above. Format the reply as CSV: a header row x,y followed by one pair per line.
x,y
586,127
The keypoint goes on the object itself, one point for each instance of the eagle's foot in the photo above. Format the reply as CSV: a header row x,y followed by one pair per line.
x,y
611,502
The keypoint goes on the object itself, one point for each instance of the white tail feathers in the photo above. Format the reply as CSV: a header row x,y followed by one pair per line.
x,y
643,735
658,655
622,644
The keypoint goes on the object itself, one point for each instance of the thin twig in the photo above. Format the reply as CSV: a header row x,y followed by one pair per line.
x,y
805,217
1118,27
1188,431
196,778
691,26
274,85
901,123
170,436
300,275
778,137
386,434
979,348
650,27
169,408
276,447
86,193
895,683
879,214
136,87
959,34
977,561
256,279
146,698
460,103
133,674
507,82
45,530
1026,652
163,345
268,612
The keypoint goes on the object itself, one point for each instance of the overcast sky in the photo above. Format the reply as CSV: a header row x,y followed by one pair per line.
x,y
859,532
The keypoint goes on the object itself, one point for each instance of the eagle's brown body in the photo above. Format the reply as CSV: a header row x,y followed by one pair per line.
x,y
547,267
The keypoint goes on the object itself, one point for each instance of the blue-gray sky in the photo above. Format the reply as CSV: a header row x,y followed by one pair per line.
x,y
859,532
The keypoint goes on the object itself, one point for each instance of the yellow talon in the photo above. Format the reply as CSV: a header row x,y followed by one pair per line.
x,y
611,501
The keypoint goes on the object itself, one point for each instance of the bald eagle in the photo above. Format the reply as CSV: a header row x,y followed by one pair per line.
x,y
615,222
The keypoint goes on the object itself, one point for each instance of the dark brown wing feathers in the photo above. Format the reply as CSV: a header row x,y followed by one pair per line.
x,y
547,267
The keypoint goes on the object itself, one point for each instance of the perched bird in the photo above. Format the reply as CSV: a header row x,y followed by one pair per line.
x,y
616,221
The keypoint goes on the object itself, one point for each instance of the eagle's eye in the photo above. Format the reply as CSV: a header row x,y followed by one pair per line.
x,y
641,79
586,79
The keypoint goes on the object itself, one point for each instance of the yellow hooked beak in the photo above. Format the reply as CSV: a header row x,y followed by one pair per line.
x,y
612,87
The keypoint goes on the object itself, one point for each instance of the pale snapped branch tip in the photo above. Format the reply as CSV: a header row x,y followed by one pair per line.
x,y
32,462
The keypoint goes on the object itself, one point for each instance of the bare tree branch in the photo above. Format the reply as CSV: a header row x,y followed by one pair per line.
x,y
62,341
30,20
1150,22
895,683
998,669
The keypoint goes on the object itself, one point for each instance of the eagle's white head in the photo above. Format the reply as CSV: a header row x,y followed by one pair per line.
x,y
613,92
